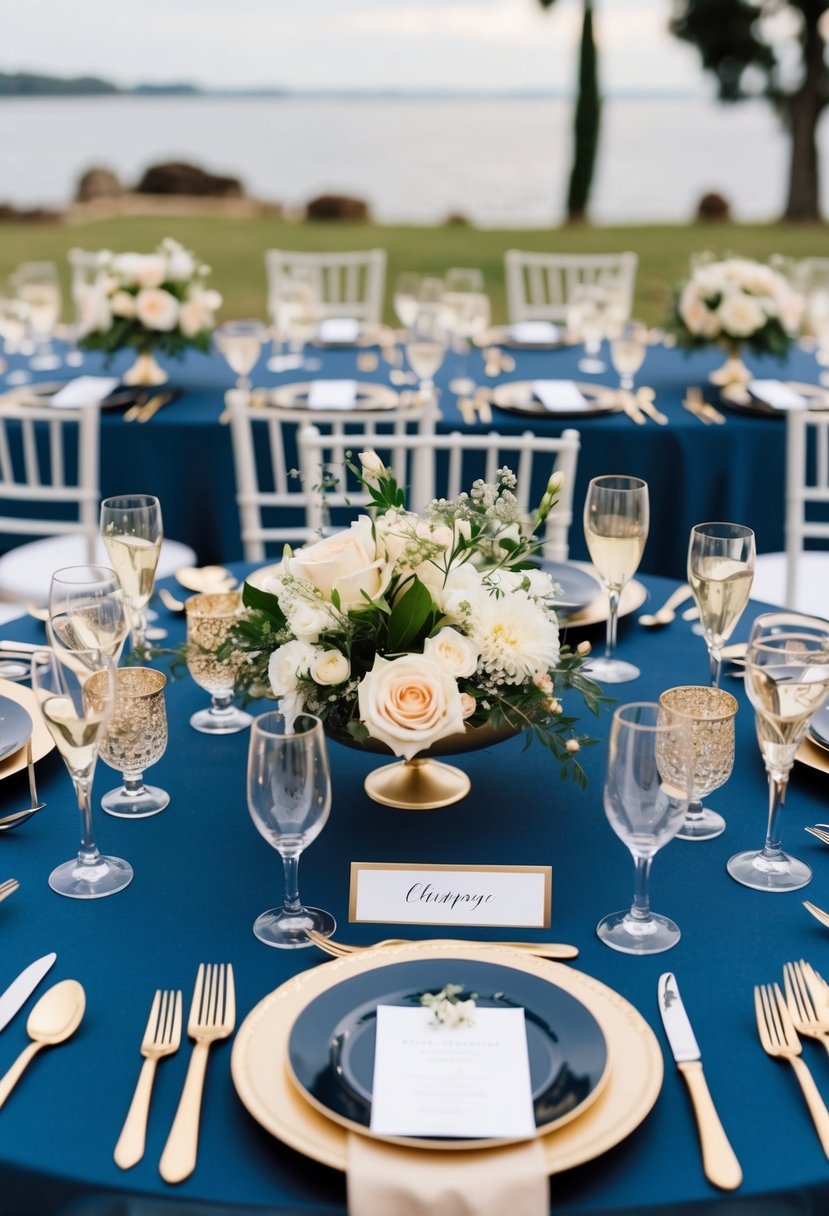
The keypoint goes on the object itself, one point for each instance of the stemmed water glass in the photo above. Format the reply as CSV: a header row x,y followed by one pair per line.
x,y
37,286
86,610
210,618
135,738
586,319
466,305
720,572
711,713
132,531
406,296
627,352
426,345
241,344
646,793
76,720
787,680
289,799
616,517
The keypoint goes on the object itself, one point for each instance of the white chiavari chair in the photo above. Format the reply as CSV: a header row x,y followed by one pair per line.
x,y
347,284
540,285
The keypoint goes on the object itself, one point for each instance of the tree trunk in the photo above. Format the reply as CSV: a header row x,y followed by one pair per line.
x,y
804,110
588,112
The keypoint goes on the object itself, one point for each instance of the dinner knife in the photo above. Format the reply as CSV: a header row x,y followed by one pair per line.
x,y
719,1161
19,990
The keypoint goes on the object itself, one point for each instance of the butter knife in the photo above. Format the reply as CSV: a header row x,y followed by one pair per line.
x,y
719,1161
19,990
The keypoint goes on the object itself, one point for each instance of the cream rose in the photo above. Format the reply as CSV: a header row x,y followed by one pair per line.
x,y
122,304
453,651
307,618
468,704
409,703
95,312
157,309
194,316
740,315
331,668
288,664
346,562
151,271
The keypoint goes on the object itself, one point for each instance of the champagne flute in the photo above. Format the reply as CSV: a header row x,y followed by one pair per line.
x,y
646,793
406,295
711,713
289,799
616,515
38,287
76,721
627,353
241,344
426,345
586,319
135,738
720,572
210,617
132,531
86,610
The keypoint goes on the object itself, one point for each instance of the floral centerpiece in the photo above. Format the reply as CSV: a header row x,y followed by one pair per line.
x,y
420,632
154,302
737,302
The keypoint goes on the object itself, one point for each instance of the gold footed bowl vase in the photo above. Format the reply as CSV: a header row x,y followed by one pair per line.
x,y
733,376
425,783
146,371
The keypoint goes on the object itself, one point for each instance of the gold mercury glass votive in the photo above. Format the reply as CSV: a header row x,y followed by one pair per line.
x,y
135,738
711,712
210,617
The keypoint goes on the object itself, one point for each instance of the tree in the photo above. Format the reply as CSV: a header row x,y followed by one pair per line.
x,y
587,120
776,49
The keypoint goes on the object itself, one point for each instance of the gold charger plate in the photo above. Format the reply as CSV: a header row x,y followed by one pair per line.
x,y
42,741
633,596
259,1062
813,755
516,397
369,397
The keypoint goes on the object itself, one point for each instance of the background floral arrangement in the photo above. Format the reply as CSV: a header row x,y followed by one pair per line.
x,y
410,628
155,301
738,301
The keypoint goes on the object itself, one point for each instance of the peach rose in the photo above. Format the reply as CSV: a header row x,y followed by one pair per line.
x,y
409,703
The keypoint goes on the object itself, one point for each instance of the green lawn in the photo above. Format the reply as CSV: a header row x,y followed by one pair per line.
x,y
234,248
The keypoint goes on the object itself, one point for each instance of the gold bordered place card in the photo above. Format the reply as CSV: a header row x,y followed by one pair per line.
x,y
489,896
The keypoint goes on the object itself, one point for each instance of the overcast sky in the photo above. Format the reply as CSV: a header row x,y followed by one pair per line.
x,y
501,44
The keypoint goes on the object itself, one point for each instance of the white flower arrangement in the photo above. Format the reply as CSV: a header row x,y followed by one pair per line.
x,y
149,301
448,1009
409,629
738,301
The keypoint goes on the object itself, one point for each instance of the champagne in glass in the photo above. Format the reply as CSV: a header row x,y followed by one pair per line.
x,y
210,618
711,713
616,516
86,610
135,738
241,344
406,293
132,531
627,353
426,345
787,680
76,721
720,572
289,799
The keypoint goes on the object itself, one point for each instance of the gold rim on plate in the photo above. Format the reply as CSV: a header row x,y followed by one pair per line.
x,y
42,741
369,397
259,1062
813,755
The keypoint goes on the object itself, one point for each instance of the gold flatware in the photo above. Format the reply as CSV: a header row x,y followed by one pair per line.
x,y
466,409
557,950
483,407
808,1016
137,406
8,888
691,614
667,613
162,1037
55,1018
367,361
8,822
779,1039
212,1017
820,833
645,398
817,912
629,407
154,405
693,403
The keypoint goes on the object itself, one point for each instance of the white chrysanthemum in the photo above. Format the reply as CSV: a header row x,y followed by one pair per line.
x,y
516,637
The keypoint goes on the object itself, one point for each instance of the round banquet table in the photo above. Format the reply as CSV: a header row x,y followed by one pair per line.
x,y
695,472
202,874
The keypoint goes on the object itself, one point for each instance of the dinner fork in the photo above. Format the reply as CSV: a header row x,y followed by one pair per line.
x,y
538,949
8,822
807,1017
820,832
212,1017
8,888
162,1037
817,912
779,1038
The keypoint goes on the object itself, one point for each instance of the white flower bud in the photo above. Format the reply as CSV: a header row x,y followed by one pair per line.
x,y
583,648
573,746
372,464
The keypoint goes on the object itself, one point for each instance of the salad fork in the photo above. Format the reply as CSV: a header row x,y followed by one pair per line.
x,y
779,1039
817,912
538,949
161,1038
819,831
8,888
803,1007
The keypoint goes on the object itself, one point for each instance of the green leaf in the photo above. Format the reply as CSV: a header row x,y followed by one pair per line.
x,y
262,601
408,616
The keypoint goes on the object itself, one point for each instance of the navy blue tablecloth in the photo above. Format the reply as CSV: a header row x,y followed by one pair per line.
x,y
695,472
202,874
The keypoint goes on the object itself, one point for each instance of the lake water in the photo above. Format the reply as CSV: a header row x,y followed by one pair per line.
x,y
499,162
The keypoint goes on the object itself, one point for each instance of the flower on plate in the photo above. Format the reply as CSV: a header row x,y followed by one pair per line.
x,y
157,309
347,563
409,703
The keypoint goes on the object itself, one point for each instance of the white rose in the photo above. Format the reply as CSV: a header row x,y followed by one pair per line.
x,y
156,309
287,664
394,531
151,270
122,304
453,651
194,316
346,562
409,703
126,266
331,668
212,299
449,590
468,704
180,263
790,306
693,310
436,534
740,315
307,619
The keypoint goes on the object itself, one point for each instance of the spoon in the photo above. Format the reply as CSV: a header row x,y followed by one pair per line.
x,y
55,1017
169,600
667,613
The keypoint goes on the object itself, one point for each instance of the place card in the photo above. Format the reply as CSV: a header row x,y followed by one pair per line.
x,y
439,1080
332,395
83,390
559,395
339,330
488,896
534,333
776,394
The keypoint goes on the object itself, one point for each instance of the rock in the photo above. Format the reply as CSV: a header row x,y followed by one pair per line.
x,y
338,207
98,183
9,214
712,208
177,177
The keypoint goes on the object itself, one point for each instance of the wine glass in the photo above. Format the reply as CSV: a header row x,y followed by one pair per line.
x,y
210,617
586,319
426,345
241,344
86,610
134,739
787,680
298,308
627,352
616,514
405,299
76,721
720,572
132,531
646,793
37,286
711,713
289,799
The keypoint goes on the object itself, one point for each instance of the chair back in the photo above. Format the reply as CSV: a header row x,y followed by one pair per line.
x,y
807,484
540,285
467,457
49,462
347,284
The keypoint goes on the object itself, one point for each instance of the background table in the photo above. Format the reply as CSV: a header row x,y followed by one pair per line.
x,y
695,472
202,874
